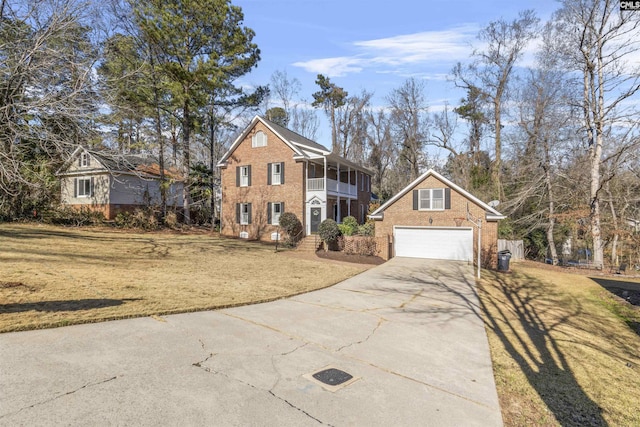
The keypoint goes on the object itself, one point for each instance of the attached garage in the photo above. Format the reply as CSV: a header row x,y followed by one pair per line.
x,y
450,243
434,218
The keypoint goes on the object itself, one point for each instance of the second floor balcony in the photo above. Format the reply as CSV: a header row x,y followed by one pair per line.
x,y
333,187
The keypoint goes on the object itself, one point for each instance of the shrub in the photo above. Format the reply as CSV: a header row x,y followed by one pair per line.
x,y
290,223
171,220
367,229
145,219
66,215
328,231
349,226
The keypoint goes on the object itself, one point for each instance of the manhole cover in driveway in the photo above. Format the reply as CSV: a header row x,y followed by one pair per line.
x,y
331,378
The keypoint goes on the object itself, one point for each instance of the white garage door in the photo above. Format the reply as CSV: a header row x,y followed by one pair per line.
x,y
434,242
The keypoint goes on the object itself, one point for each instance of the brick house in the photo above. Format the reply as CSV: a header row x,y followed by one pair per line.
x,y
112,183
269,170
434,218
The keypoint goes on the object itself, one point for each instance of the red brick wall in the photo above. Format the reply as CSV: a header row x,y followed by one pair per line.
x,y
401,213
259,193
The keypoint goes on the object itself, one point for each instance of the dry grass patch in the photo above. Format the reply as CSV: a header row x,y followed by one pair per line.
x,y
561,356
52,276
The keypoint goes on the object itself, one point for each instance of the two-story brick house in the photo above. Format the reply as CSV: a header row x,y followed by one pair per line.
x,y
270,170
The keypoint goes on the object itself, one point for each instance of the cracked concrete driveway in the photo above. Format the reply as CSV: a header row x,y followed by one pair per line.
x,y
409,330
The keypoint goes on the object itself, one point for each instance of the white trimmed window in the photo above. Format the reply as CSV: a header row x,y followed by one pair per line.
x,y
244,213
84,187
244,176
431,199
259,139
276,211
276,173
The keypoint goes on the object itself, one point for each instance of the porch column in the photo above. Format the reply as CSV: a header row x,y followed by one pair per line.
x,y
349,190
325,177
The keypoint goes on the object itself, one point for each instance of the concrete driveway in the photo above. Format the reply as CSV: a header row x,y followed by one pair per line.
x,y
409,332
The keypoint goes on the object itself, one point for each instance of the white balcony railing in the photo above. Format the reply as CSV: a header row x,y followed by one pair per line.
x,y
315,184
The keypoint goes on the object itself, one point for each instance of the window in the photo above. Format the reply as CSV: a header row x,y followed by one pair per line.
x,y
275,173
431,199
259,139
83,187
275,210
243,176
85,160
243,211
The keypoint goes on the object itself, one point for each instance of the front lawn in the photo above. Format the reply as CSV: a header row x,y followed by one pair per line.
x,y
55,276
564,349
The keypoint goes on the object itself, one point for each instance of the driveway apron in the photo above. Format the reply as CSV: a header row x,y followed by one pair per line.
x,y
409,333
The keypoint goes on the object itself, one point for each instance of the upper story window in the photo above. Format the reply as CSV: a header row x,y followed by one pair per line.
x,y
259,139
85,160
431,199
243,176
275,173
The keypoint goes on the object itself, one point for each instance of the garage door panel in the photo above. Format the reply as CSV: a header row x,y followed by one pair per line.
x,y
434,243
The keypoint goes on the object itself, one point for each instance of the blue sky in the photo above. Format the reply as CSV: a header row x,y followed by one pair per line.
x,y
374,45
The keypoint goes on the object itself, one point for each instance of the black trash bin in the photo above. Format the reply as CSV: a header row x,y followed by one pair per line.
x,y
503,260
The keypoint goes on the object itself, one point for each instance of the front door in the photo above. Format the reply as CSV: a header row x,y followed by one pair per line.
x,y
316,219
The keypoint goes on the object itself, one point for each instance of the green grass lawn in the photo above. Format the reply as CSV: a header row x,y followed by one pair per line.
x,y
562,349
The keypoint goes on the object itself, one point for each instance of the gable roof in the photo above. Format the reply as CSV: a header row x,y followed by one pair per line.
x,y
303,147
491,213
116,163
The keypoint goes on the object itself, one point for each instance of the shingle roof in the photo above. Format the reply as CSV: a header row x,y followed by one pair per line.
x,y
294,137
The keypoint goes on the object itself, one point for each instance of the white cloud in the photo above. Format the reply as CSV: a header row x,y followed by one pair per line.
x,y
441,46
332,67
429,48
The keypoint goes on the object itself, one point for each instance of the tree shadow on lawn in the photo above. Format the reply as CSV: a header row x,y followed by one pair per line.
x,y
527,316
65,305
518,313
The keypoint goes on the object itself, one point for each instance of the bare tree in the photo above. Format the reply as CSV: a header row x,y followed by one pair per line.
x,y
381,150
409,112
47,95
351,127
598,41
492,70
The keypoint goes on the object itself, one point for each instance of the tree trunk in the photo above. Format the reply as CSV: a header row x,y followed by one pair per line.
x,y
186,163
552,219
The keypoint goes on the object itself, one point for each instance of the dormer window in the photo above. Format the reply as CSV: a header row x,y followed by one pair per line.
x,y
85,160
259,139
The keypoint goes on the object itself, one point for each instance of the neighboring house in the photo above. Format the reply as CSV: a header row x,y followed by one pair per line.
x,y
434,218
270,170
113,183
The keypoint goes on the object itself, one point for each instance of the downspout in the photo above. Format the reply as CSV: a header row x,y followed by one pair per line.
x,y
349,190
326,192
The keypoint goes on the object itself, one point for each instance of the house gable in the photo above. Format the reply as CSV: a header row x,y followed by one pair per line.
x,y
459,200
